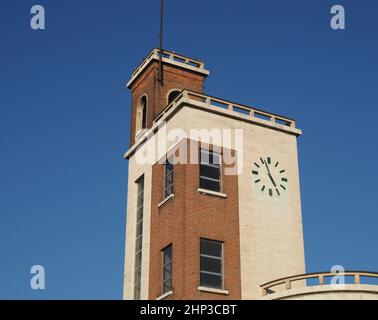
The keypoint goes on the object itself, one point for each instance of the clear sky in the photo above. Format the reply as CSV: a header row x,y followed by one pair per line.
x,y
65,116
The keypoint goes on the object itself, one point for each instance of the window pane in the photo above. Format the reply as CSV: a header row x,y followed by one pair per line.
x,y
212,281
210,172
137,293
138,274
210,157
167,275
144,113
169,191
139,214
138,246
168,255
168,265
167,269
211,265
211,248
210,185
168,167
169,179
140,200
139,238
140,183
139,229
172,96
138,260
167,286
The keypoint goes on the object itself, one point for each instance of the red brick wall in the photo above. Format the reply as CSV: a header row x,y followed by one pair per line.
x,y
147,83
183,221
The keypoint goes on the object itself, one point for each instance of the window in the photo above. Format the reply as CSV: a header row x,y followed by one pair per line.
x,y
167,269
210,170
141,116
144,113
139,239
211,264
173,95
168,179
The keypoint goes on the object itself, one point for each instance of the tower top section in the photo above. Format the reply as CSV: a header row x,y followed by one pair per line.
x,y
169,58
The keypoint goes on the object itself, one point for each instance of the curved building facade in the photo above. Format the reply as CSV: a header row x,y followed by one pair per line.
x,y
364,287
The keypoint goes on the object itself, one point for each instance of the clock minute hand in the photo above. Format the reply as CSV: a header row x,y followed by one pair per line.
x,y
269,174
271,178
267,168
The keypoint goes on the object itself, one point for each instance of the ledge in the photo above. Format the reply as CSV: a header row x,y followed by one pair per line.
x,y
169,58
368,292
212,193
165,295
166,200
212,290
140,134
231,110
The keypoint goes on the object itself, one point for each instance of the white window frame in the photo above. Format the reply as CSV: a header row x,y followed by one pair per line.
x,y
216,258
166,187
214,166
163,269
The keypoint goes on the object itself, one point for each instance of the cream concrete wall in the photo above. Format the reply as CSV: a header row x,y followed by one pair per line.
x,y
135,171
270,227
271,239
328,292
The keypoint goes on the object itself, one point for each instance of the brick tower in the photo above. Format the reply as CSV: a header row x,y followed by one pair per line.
x,y
203,229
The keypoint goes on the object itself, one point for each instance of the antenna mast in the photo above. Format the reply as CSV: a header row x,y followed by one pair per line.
x,y
161,76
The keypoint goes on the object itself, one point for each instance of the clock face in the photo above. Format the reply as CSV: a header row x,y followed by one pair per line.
x,y
269,176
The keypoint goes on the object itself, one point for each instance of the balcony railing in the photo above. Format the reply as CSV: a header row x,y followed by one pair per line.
x,y
267,288
213,103
170,58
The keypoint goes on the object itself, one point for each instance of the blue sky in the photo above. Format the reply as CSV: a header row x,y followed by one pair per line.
x,y
64,124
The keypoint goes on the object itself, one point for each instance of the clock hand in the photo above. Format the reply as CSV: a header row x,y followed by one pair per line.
x,y
271,178
267,168
269,174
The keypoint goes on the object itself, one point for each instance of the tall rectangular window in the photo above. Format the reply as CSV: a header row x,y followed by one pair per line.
x,y
210,170
168,179
211,264
139,239
167,269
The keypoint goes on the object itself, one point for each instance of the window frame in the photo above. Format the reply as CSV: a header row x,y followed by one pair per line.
x,y
221,258
164,265
169,94
138,254
171,173
141,116
210,151
144,114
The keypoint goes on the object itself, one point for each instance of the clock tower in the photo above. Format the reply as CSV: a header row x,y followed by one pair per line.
x,y
213,203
